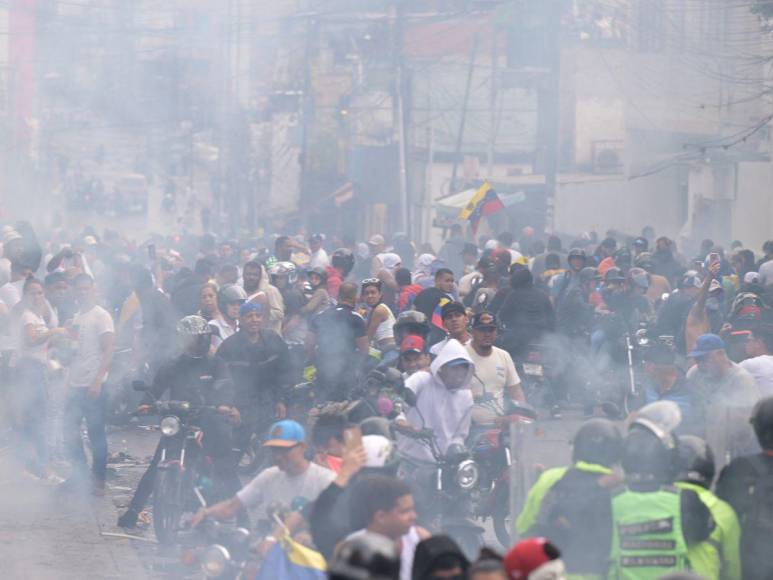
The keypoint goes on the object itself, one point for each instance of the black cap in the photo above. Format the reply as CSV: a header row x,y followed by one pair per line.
x,y
452,307
641,242
484,320
660,354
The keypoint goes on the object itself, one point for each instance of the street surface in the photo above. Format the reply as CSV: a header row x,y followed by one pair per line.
x,y
45,533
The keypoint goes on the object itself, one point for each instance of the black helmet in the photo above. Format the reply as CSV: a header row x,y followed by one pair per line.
x,y
614,275
645,261
762,421
696,461
321,272
576,253
647,460
622,256
650,451
638,278
343,260
410,322
367,556
598,441
588,274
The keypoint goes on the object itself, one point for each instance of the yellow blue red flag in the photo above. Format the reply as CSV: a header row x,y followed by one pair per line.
x,y
484,202
289,560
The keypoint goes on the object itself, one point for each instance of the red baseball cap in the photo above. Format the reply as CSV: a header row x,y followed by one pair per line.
x,y
412,343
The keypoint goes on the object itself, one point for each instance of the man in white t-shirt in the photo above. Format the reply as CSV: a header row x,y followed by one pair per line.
x,y
759,347
495,376
92,327
292,476
318,257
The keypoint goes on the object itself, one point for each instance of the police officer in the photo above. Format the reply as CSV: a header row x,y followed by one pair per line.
x,y
200,379
653,522
569,503
718,557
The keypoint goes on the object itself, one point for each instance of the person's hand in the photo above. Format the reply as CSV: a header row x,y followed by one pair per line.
x,y
714,268
262,548
280,411
144,409
199,517
352,461
95,389
726,329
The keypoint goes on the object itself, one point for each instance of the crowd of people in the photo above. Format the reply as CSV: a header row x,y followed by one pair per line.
x,y
624,323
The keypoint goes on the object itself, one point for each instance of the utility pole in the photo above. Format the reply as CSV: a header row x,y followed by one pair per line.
x,y
463,120
492,136
405,225
549,106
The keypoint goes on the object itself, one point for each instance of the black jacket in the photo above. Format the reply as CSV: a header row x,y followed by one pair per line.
x,y
261,371
526,314
201,381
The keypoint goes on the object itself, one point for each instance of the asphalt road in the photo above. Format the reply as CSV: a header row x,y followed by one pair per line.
x,y
47,534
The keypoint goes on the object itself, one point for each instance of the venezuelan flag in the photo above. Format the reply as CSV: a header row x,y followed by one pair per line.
x,y
484,202
289,560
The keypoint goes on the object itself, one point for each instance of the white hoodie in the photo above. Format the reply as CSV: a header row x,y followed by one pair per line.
x,y
447,412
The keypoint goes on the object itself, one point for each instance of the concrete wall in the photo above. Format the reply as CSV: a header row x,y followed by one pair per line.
x,y
622,205
752,220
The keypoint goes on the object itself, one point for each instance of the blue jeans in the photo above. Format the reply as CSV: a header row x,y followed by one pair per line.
x,y
81,406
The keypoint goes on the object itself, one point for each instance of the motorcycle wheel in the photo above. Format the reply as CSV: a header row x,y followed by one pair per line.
x,y
167,505
254,458
501,517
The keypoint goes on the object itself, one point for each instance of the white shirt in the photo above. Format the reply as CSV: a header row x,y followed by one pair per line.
x,y
492,373
408,545
761,368
39,351
319,259
766,273
89,326
273,484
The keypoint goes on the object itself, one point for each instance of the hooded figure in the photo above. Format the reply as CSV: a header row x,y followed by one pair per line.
x,y
443,401
526,313
276,305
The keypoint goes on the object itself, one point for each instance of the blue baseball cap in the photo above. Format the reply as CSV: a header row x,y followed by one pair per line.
x,y
706,344
286,433
247,307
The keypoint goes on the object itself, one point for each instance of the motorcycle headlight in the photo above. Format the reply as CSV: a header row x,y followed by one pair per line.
x,y
170,426
467,474
214,561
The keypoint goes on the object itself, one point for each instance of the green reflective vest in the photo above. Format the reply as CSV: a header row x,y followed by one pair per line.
x,y
647,537
717,558
531,508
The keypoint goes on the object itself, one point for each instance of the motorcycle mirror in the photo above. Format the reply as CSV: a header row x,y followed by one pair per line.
x,y
139,386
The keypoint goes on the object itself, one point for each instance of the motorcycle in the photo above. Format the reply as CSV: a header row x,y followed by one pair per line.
x,y
227,553
185,480
491,449
456,477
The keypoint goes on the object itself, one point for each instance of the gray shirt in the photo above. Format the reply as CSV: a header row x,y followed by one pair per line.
x,y
274,485
722,409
